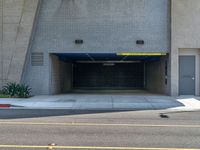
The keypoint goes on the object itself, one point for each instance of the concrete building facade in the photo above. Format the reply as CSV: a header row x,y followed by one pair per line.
x,y
60,46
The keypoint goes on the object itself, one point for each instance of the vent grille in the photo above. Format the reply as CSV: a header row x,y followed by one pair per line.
x,y
37,59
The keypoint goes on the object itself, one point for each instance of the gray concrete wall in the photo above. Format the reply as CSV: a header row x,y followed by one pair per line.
x,y
16,23
185,34
103,25
61,76
155,76
38,77
56,80
67,77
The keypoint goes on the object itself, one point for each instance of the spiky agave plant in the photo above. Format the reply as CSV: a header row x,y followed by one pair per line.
x,y
10,89
23,91
16,90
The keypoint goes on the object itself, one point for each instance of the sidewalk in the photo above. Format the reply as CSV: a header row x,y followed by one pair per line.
x,y
104,102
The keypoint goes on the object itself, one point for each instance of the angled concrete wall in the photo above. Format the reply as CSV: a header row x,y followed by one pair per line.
x,y
185,34
16,23
1,43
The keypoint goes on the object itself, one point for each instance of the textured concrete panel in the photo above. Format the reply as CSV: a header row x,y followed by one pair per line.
x,y
16,22
185,33
155,76
104,25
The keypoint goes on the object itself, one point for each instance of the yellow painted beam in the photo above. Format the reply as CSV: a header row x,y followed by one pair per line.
x,y
141,54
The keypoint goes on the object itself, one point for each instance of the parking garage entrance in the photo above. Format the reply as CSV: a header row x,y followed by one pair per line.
x,y
81,71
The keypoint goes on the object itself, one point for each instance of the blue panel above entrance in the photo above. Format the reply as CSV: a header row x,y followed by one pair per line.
x,y
74,57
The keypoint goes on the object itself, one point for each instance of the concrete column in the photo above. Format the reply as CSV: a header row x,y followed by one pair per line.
x,y
174,62
173,56
185,29
174,79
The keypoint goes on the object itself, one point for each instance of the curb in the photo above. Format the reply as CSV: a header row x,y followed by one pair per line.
x,y
5,105
9,106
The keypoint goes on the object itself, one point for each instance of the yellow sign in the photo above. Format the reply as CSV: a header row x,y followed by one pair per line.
x,y
142,54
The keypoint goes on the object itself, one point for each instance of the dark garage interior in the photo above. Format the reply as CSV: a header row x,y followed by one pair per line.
x,y
109,75
74,72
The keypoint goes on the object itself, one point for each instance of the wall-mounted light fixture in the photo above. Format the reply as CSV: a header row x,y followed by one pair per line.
x,y
140,42
78,41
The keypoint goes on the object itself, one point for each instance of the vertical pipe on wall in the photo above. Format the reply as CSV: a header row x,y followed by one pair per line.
x,y
144,75
72,77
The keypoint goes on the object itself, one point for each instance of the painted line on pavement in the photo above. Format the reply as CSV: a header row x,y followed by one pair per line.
x,y
5,105
90,147
99,124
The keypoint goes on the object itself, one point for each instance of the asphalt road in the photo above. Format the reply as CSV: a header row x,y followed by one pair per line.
x,y
36,129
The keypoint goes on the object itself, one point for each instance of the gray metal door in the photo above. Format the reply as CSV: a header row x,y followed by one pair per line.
x,y
186,75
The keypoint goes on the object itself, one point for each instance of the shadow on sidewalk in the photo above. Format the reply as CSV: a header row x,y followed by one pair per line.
x,y
37,113
121,103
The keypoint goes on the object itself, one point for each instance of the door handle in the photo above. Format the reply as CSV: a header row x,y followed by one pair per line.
x,y
193,78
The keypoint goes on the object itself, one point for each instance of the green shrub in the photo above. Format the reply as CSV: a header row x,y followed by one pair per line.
x,y
16,90
10,89
23,91
4,96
